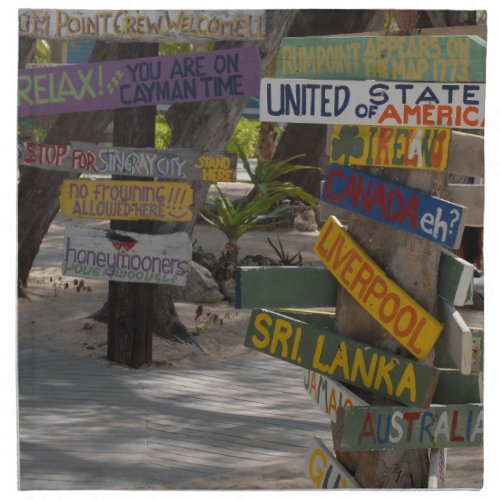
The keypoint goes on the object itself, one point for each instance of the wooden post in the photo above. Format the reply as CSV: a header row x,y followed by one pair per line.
x,y
413,262
130,336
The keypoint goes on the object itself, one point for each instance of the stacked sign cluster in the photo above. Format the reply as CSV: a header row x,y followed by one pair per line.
x,y
166,193
389,102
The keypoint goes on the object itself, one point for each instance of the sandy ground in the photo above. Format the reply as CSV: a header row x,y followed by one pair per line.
x,y
57,316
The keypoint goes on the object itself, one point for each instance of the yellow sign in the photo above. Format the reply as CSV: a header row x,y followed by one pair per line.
x,y
401,147
127,200
382,298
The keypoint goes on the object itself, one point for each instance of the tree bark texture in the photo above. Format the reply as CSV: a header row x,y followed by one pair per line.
x,y
38,190
413,263
26,51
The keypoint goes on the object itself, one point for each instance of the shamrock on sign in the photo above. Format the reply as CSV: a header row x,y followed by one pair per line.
x,y
348,144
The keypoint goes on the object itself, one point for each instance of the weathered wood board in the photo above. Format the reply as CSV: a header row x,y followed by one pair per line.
x,y
383,103
477,350
200,76
90,158
324,470
455,388
471,196
457,338
329,394
127,257
271,287
399,147
413,211
455,278
126,200
437,467
399,58
466,154
395,377
391,427
143,25
408,322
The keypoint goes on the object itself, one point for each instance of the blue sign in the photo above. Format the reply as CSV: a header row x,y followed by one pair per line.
x,y
427,216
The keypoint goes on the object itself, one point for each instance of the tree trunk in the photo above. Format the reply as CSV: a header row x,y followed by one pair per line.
x,y
413,263
38,190
26,51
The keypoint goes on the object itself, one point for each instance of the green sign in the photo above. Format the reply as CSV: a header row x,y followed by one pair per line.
x,y
341,358
394,58
361,428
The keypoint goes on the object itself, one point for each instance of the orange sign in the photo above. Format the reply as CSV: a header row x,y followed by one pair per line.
x,y
382,298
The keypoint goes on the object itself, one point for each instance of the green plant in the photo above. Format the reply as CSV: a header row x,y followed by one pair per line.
x,y
163,132
265,178
245,136
284,257
235,220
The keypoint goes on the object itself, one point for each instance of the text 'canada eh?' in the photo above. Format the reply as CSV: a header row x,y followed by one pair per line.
x,y
455,105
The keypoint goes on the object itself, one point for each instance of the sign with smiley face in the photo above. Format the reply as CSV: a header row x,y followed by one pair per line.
x,y
127,200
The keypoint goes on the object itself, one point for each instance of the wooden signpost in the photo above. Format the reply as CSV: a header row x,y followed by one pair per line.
x,y
127,257
176,163
396,427
403,58
126,200
278,286
380,297
400,147
457,338
403,208
455,388
395,377
324,470
329,394
143,25
383,103
200,76
471,196
455,279
291,286
466,155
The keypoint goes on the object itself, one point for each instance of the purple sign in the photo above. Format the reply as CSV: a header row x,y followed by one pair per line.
x,y
145,81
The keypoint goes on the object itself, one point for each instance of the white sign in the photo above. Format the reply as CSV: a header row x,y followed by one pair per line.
x,y
415,104
329,394
128,257
324,470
